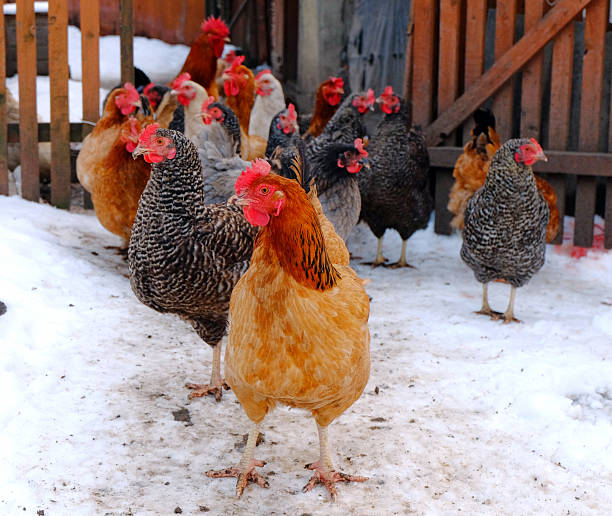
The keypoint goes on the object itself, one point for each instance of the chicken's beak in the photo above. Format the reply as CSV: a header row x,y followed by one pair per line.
x,y
366,163
541,156
138,151
238,200
227,39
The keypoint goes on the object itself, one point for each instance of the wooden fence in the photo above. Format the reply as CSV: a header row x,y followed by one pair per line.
x,y
447,81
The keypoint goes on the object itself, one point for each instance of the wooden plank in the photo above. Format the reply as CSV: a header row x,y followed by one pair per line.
x,y
126,38
443,217
261,15
423,70
26,63
561,89
3,110
505,22
60,128
590,110
448,61
195,12
277,39
408,62
531,98
504,68
559,162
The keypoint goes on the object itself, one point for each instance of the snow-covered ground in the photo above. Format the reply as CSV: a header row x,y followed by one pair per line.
x,y
461,413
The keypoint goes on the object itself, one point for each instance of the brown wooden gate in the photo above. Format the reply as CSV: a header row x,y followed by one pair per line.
x,y
449,83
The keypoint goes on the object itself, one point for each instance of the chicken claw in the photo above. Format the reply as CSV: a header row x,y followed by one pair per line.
x,y
204,389
244,476
329,478
491,313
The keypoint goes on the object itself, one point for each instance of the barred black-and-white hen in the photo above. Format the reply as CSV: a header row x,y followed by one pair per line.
x,y
504,234
395,191
283,129
185,257
336,185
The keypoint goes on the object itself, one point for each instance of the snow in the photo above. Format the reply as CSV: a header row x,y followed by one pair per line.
x,y
461,413
39,7
471,415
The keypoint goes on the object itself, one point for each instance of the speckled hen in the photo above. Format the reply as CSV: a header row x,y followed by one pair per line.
x,y
185,257
504,234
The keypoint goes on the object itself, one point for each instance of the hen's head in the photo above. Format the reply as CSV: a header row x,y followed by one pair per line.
x,y
154,94
154,146
287,120
389,102
264,83
235,77
364,102
528,151
354,159
130,134
127,99
260,193
211,113
332,90
217,32
184,88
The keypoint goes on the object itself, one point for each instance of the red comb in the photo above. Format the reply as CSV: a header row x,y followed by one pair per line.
x,y
230,56
207,103
292,113
337,82
178,82
259,168
235,64
217,25
359,146
148,132
371,97
263,72
148,88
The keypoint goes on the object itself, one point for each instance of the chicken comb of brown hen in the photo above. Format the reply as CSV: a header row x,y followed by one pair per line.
x,y
332,90
217,32
127,101
389,102
131,136
259,168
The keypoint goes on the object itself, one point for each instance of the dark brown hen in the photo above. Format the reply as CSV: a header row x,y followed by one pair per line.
x,y
504,234
185,256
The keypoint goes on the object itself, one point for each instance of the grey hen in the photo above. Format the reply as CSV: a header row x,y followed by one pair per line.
x,y
185,256
283,129
504,233
395,192
337,189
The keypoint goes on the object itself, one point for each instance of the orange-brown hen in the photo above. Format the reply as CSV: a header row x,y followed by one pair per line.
x,y
471,170
327,99
299,333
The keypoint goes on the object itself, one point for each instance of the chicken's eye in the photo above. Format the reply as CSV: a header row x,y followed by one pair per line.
x,y
159,141
264,190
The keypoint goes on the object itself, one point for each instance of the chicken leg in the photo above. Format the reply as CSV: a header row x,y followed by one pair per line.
x,y
486,309
402,261
217,383
380,259
245,471
509,313
324,470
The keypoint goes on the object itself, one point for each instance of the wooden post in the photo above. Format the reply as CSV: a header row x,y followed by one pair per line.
x,y
590,110
60,121
423,69
277,38
28,121
195,12
3,110
408,64
126,37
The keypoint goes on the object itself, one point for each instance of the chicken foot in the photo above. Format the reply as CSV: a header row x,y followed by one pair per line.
x,y
486,309
380,259
245,471
324,469
509,313
217,383
402,261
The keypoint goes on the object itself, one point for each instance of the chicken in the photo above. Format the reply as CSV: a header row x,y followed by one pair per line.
x,y
201,62
239,86
472,166
504,233
332,173
328,96
269,100
121,103
299,334
119,181
395,191
186,256
191,96
283,128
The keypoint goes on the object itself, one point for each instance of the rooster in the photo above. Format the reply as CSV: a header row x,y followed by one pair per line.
x,y
299,334
201,62
269,100
395,191
283,128
328,97
504,233
239,87
472,166
185,256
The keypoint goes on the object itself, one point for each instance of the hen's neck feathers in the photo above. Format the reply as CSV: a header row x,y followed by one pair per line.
x,y
242,104
323,112
294,241
201,62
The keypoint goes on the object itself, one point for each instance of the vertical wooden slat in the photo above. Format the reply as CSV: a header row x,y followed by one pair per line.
x,y
608,214
261,16
277,39
560,102
60,122
3,110
126,37
505,21
531,99
28,122
195,12
448,62
590,110
408,64
423,71
90,65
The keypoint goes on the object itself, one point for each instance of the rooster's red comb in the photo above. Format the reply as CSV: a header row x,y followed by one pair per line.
x,y
178,82
132,93
263,72
148,132
216,25
337,82
259,168
235,64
